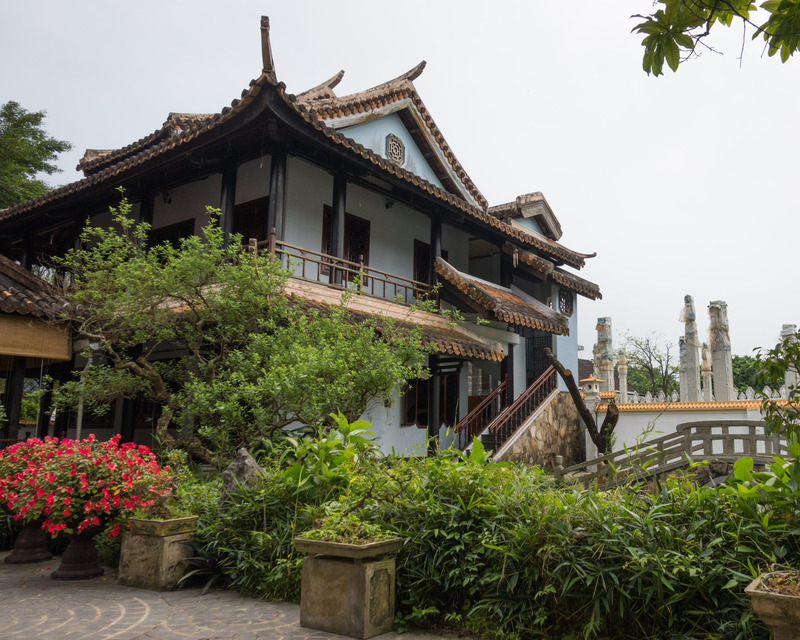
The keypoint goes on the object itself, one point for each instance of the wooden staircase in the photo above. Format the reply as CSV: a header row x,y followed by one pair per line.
x,y
495,421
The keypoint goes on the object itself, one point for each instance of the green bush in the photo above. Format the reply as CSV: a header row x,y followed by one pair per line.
x,y
508,552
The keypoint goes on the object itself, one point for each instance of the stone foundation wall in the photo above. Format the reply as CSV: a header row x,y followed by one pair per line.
x,y
557,430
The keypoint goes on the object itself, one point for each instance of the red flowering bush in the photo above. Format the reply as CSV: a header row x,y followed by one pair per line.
x,y
72,485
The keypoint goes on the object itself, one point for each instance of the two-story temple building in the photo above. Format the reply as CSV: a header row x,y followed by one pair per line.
x,y
339,185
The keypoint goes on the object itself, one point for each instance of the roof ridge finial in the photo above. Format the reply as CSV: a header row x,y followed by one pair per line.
x,y
266,51
414,73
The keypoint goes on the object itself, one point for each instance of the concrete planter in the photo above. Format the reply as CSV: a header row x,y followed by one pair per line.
x,y
153,553
781,612
347,588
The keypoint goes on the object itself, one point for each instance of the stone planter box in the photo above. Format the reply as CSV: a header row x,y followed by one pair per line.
x,y
153,553
347,588
781,612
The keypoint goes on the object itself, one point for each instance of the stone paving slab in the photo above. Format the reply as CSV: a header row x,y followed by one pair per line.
x,y
33,606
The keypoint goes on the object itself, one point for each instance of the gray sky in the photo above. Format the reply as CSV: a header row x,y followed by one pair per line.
x,y
681,184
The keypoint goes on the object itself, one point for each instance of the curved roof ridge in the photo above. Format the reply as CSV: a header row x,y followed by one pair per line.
x,y
175,120
395,90
393,86
322,90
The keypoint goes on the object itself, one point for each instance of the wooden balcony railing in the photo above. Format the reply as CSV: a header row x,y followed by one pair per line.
x,y
476,421
315,266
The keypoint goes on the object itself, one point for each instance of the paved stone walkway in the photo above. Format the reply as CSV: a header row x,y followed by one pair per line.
x,y
33,606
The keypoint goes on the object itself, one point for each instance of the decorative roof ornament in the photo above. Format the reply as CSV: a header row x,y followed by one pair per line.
x,y
266,51
395,150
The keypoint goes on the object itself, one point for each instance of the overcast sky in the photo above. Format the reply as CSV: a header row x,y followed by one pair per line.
x,y
681,184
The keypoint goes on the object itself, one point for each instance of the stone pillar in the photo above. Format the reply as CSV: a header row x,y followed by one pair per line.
x,y
606,354
622,368
689,346
721,359
595,361
708,394
789,336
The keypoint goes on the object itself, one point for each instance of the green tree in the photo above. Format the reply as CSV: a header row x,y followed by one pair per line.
x,y
651,364
25,151
775,364
205,331
675,30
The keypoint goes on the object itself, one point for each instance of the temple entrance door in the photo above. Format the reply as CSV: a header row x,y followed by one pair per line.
x,y
535,361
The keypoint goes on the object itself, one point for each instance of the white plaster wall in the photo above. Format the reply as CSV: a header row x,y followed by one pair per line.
x,y
390,436
188,201
373,134
633,424
308,189
486,268
567,346
392,230
519,368
456,242
529,223
252,179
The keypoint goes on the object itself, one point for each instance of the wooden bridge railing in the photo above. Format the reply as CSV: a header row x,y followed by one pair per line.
x,y
713,440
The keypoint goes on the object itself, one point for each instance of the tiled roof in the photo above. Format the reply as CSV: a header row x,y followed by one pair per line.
x,y
530,205
332,107
449,338
24,294
691,406
577,284
193,126
175,124
503,303
559,276
324,90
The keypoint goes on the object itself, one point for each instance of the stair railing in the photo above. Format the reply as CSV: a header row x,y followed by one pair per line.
x,y
472,424
514,416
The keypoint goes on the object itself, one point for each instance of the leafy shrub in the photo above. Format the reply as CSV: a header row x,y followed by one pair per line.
x,y
509,553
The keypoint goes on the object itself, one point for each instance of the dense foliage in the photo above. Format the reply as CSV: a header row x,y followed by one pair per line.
x,y
25,151
507,552
678,28
247,360
74,485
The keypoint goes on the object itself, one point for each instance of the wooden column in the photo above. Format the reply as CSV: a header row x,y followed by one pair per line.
x,y
227,200
507,373
26,259
436,249
277,192
434,402
337,221
146,207
13,396
506,270
43,420
130,407
434,395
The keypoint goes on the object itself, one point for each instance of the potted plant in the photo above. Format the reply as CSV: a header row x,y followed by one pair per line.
x,y
775,597
154,547
82,488
347,584
31,542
